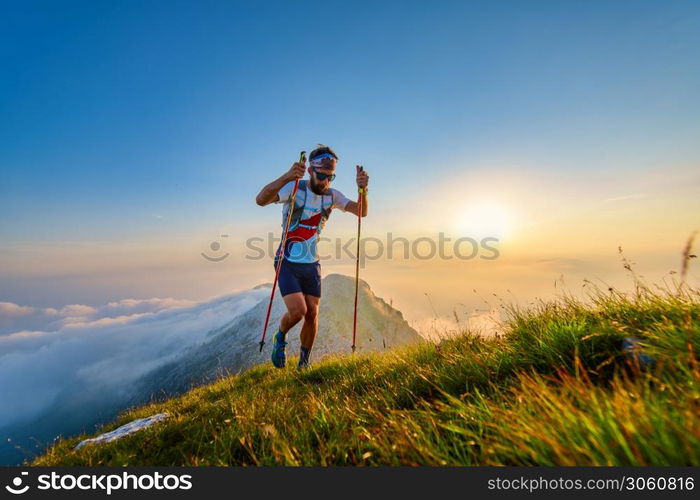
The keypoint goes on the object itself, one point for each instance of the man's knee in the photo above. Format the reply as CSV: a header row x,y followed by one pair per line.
x,y
297,312
311,313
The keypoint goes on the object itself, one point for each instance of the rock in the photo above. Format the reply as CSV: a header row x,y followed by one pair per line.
x,y
125,430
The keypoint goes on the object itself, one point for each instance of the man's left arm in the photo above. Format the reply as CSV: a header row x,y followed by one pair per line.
x,y
362,180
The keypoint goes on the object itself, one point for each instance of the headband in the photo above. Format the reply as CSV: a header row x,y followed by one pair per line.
x,y
317,161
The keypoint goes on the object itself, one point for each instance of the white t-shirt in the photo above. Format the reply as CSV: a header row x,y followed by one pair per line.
x,y
302,238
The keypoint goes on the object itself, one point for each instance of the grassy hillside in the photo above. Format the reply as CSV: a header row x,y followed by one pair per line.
x,y
557,389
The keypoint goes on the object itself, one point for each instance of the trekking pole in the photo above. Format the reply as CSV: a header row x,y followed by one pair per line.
x,y
302,159
360,192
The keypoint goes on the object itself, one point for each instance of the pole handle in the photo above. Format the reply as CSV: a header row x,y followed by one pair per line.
x,y
364,189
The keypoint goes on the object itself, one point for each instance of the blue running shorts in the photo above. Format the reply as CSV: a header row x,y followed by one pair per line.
x,y
300,277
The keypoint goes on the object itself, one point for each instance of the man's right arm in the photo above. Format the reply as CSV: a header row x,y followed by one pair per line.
x,y
270,193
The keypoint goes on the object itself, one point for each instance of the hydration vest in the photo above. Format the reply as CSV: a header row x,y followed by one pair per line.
x,y
304,229
301,230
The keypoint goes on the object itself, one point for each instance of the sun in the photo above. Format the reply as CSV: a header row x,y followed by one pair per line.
x,y
484,218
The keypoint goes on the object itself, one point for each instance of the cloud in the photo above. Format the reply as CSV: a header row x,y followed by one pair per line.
x,y
485,323
15,317
10,310
101,350
76,310
626,197
560,263
130,306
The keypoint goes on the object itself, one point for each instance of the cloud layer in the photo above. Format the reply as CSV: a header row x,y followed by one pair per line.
x,y
17,318
50,354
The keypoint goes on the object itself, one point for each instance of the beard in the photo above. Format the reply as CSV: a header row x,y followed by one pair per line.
x,y
318,189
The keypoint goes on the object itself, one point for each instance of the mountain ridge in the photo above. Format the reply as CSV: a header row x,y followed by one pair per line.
x,y
235,347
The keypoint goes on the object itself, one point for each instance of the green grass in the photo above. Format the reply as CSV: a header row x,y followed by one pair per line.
x,y
556,389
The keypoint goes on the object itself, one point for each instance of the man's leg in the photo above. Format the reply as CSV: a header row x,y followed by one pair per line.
x,y
296,310
311,286
310,327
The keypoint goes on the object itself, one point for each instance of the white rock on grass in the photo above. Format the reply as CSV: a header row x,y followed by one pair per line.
x,y
125,430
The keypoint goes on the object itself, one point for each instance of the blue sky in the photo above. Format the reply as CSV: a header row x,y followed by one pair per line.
x,y
124,121
116,110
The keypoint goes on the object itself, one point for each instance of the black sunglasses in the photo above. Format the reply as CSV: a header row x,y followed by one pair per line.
x,y
322,177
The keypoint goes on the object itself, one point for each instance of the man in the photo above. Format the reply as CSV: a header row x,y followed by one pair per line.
x,y
300,272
